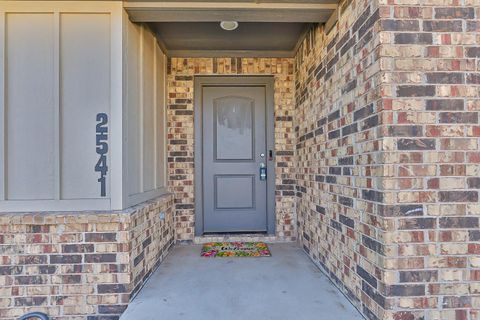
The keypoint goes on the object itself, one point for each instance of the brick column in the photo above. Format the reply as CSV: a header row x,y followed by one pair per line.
x,y
430,55
388,156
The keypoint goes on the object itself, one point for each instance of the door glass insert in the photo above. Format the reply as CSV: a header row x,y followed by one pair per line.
x,y
233,128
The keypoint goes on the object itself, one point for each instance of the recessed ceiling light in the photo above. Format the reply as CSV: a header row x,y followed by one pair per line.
x,y
229,25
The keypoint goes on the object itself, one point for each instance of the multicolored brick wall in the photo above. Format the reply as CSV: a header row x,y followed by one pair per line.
x,y
430,53
338,152
83,265
377,165
152,234
387,148
181,74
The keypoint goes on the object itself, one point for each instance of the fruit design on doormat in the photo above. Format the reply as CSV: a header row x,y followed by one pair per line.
x,y
235,249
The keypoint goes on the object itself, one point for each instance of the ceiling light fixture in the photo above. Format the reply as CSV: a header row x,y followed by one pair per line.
x,y
229,25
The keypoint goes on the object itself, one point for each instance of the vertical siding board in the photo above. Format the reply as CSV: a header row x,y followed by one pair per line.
x,y
125,96
163,128
142,106
2,106
132,112
147,125
160,118
29,143
116,181
56,96
85,85
161,122
155,112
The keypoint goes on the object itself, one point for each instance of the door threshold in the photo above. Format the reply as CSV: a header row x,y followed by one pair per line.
x,y
232,237
238,233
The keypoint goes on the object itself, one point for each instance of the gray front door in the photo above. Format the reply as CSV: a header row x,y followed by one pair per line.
x,y
234,149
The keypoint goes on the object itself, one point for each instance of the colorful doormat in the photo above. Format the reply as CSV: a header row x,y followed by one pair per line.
x,y
235,249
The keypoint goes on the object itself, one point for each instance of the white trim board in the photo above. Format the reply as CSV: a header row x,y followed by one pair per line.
x,y
156,11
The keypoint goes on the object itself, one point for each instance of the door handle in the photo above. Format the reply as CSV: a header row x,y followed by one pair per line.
x,y
263,172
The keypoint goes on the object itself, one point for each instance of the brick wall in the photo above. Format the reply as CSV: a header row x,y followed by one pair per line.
x,y
150,238
430,56
387,146
181,74
338,113
377,129
80,265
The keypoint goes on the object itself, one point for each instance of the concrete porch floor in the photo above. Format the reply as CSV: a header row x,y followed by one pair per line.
x,y
285,286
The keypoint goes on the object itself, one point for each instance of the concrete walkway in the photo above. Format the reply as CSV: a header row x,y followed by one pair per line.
x,y
286,286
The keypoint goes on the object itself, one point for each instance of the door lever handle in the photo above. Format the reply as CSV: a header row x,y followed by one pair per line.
x,y
263,172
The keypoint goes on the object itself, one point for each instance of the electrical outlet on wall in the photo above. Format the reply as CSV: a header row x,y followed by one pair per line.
x,y
162,216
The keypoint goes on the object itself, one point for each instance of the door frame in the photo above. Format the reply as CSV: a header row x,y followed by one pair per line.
x,y
239,80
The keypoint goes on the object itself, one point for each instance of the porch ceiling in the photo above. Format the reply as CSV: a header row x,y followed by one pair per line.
x,y
250,38
272,28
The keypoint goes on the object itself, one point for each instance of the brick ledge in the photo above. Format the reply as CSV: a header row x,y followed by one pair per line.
x,y
44,217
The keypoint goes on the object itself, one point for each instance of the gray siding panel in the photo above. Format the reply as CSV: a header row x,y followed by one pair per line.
x,y
29,106
85,82
145,106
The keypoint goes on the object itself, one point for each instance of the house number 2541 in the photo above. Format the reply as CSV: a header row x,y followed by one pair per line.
x,y
102,150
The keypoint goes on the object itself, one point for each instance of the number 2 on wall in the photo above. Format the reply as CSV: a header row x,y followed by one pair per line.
x,y
102,150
